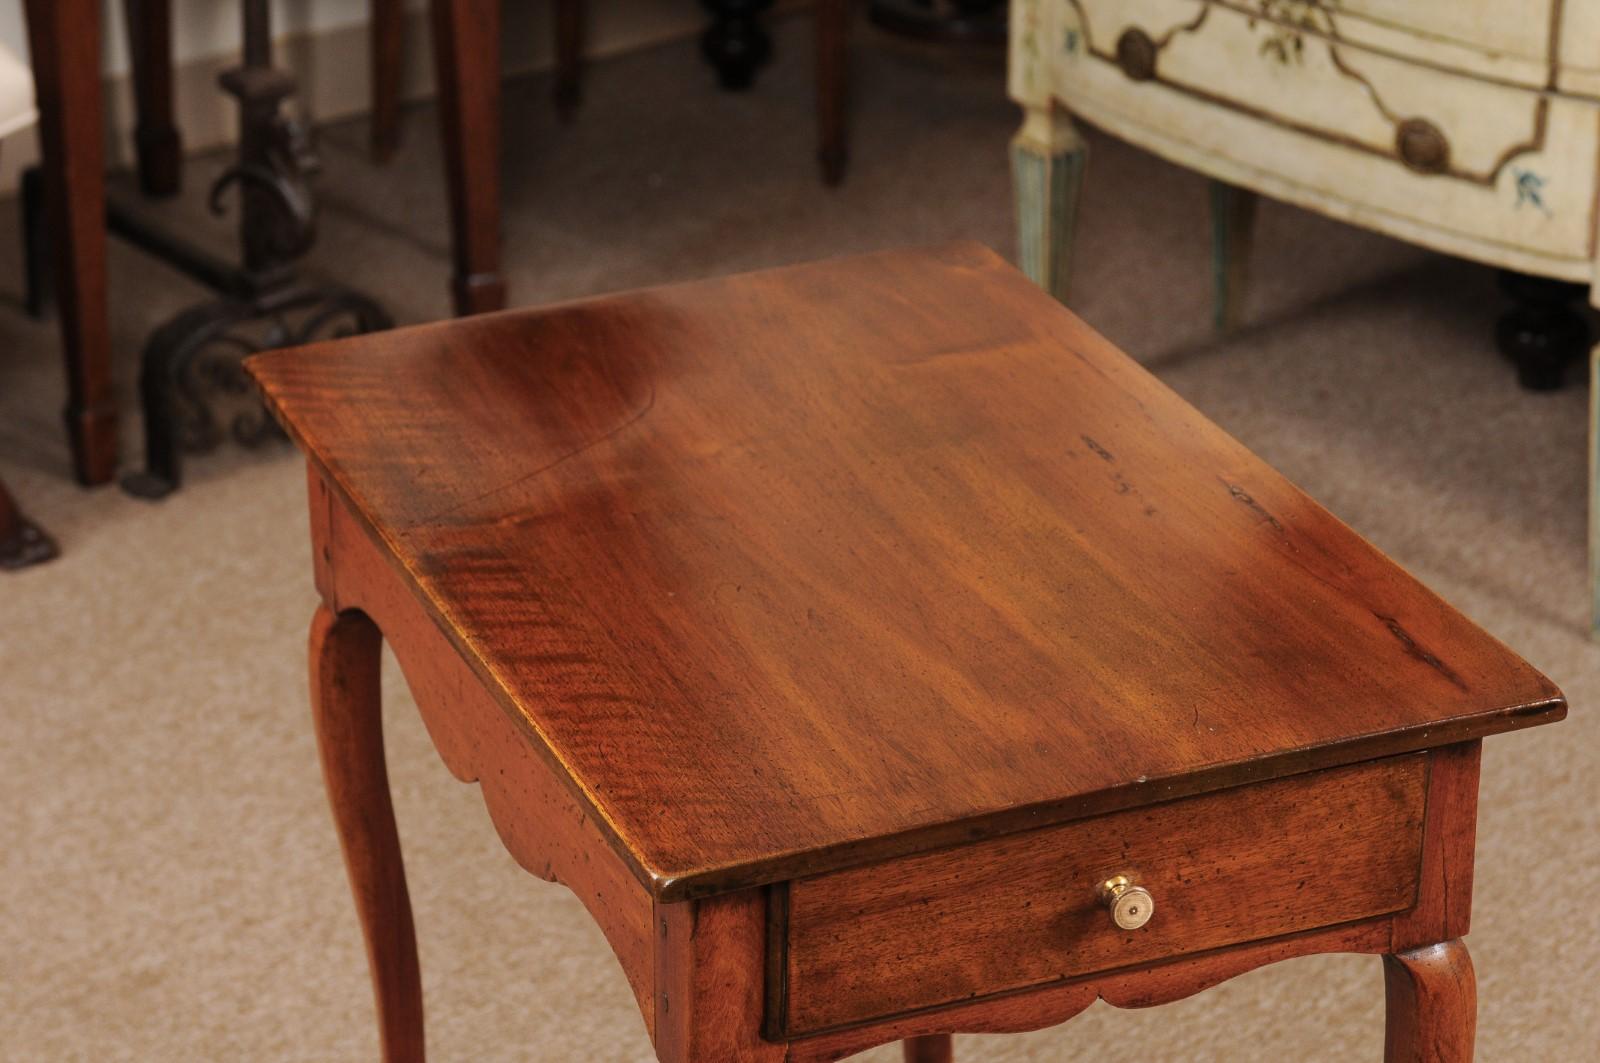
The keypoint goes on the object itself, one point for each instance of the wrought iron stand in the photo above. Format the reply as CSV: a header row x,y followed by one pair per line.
x,y
191,376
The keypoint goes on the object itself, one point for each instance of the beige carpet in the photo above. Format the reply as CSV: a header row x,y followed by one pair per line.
x,y
170,885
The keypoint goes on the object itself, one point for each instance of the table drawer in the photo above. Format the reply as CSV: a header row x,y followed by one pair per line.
x,y
1024,910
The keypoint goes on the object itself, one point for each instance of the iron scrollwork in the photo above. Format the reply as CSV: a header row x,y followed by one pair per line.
x,y
192,382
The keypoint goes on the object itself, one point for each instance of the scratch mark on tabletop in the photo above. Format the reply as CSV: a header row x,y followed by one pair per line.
x,y
1102,452
1249,500
1417,650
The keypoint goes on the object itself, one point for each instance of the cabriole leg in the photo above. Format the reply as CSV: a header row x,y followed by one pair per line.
x,y
1047,162
347,707
1432,1005
1233,225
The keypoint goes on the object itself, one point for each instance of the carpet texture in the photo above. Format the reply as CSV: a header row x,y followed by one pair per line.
x,y
170,884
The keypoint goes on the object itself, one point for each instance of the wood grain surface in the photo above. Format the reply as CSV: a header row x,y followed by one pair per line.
x,y
794,570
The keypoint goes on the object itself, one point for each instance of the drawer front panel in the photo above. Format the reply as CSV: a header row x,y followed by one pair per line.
x,y
1387,142
1235,866
1524,28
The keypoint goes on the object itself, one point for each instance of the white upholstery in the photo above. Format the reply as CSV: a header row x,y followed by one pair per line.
x,y
16,94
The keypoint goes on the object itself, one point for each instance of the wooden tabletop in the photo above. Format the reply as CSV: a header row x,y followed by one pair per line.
x,y
797,569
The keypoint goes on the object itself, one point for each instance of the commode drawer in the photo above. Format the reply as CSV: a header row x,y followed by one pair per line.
x,y
1467,164
1028,909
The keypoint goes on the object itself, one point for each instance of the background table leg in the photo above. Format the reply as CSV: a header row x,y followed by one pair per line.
x,y
388,45
1233,226
347,706
570,16
935,1048
22,542
156,138
466,45
64,42
1432,1005
833,87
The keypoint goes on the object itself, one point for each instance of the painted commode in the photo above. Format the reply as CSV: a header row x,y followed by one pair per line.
x,y
1468,126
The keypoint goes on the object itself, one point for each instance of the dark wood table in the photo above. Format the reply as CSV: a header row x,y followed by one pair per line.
x,y
64,47
874,648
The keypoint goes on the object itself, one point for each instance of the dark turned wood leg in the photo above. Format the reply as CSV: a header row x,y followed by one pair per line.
x,y
833,87
39,282
569,58
1545,331
64,38
22,542
346,704
156,138
388,42
466,42
935,1048
1432,1005
736,44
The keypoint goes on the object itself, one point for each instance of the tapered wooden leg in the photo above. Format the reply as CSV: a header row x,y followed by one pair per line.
x,y
39,281
156,138
569,57
345,701
64,39
1432,1005
1047,163
833,88
388,42
935,1048
1233,224
466,42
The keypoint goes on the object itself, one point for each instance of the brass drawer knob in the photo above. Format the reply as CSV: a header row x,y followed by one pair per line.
x,y
1131,906
1422,146
1136,55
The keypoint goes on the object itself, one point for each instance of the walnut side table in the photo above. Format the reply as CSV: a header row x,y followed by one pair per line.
x,y
880,654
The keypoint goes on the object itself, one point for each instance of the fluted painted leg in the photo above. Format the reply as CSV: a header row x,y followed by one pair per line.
x,y
1233,224
346,704
935,1048
1432,1005
1047,162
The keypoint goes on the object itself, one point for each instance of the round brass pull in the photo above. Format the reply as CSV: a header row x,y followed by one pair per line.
x,y
1422,146
1136,54
1131,906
